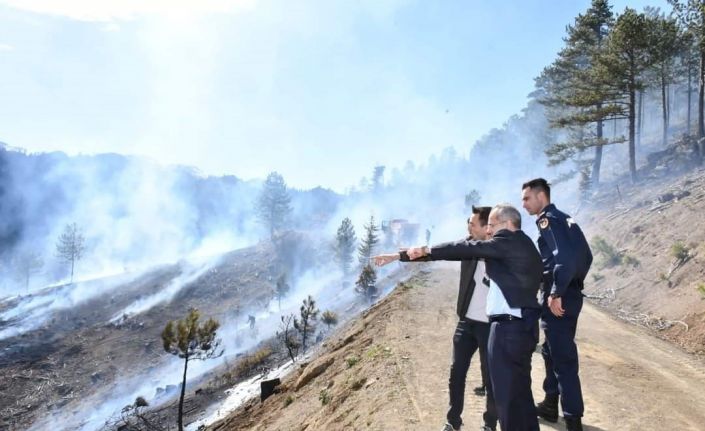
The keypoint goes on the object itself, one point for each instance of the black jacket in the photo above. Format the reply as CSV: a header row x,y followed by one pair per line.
x,y
467,280
511,260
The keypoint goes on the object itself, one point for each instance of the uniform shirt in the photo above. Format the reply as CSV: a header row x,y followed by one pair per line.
x,y
564,250
497,304
478,303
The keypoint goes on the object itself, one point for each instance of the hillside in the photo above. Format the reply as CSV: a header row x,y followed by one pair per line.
x,y
388,369
70,346
651,267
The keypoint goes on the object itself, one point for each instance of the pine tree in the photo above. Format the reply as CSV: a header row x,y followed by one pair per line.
x,y
329,318
70,246
345,245
623,63
377,179
574,96
665,48
366,283
691,13
370,240
273,205
305,326
189,341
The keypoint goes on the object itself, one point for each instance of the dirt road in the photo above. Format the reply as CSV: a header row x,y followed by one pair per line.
x,y
631,380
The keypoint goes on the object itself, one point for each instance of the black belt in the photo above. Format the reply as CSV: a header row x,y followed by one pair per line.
x,y
503,318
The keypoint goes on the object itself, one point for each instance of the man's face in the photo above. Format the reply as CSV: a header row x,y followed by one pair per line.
x,y
476,229
493,224
532,201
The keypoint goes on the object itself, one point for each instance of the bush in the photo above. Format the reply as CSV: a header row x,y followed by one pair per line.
x,y
610,255
324,396
630,260
680,251
352,361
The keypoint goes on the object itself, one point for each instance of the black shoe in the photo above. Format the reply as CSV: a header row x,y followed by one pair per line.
x,y
548,409
573,424
480,391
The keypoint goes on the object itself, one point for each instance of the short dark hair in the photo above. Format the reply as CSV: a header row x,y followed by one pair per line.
x,y
539,185
483,212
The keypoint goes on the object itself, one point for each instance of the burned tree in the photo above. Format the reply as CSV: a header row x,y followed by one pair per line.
x,y
305,326
190,341
70,246
25,265
345,245
287,337
134,417
282,289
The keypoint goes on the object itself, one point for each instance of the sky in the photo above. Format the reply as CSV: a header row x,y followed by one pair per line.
x,y
319,91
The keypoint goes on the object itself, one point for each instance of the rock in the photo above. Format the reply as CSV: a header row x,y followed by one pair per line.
x,y
267,388
312,371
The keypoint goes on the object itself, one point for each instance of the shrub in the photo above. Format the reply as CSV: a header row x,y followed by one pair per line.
x,y
324,396
680,251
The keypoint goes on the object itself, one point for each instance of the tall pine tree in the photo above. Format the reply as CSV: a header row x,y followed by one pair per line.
x,y
345,245
369,242
273,205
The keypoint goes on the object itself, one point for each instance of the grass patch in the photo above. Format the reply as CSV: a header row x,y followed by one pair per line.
x,y
378,350
288,400
250,362
352,361
701,289
358,384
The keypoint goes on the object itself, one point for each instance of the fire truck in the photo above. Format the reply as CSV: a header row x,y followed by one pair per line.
x,y
400,232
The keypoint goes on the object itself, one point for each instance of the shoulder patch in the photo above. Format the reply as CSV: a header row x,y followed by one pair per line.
x,y
543,223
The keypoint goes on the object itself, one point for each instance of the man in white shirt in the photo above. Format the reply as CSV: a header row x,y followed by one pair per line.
x,y
515,268
472,332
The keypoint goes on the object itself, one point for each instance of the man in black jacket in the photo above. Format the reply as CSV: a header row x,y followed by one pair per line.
x,y
473,329
514,267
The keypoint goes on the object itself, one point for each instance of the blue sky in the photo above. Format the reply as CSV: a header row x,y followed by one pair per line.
x,y
320,91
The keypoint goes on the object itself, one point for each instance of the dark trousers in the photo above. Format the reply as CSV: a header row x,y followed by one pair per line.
x,y
560,354
470,336
511,344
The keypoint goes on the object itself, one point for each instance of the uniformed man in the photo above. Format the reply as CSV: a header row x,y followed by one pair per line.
x,y
566,260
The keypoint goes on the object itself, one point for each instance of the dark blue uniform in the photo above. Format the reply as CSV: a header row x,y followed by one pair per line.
x,y
566,261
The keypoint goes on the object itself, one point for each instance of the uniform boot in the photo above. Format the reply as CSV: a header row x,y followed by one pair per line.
x,y
548,408
573,424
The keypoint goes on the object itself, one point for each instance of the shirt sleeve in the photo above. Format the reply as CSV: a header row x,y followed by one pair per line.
x,y
555,232
467,249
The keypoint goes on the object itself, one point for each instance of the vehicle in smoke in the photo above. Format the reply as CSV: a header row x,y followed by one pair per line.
x,y
400,232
